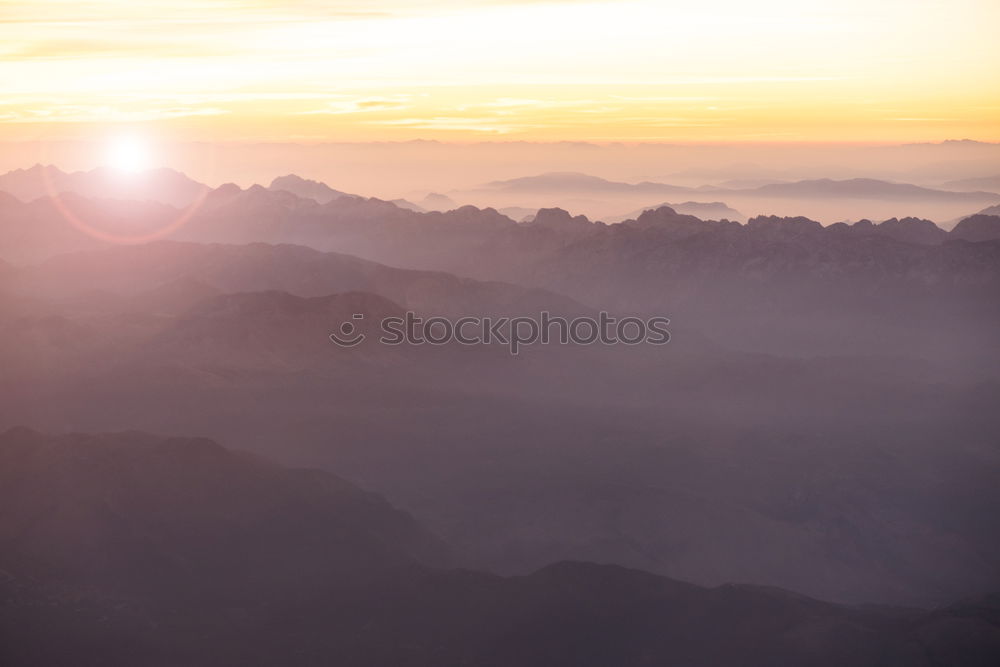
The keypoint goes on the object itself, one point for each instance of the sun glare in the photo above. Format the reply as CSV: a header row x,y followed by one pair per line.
x,y
128,154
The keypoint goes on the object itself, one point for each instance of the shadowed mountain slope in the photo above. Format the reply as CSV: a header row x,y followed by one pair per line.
x,y
261,267
978,228
135,549
133,513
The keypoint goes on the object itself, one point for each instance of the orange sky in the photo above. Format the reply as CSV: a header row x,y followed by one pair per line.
x,y
729,70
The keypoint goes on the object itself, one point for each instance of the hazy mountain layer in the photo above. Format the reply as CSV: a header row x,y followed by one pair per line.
x,y
862,476
133,549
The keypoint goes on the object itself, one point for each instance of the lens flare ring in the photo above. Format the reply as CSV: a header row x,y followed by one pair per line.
x,y
56,197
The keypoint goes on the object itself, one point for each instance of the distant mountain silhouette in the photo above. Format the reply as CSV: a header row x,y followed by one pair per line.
x,y
307,189
41,228
559,220
256,199
576,182
165,186
435,201
988,183
703,210
489,246
519,213
408,205
864,188
367,227
553,252
858,188
747,183
801,243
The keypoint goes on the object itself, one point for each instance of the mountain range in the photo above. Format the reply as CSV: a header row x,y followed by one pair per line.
x,y
990,183
858,188
234,338
258,267
147,550
822,421
827,199
164,186
703,210
307,189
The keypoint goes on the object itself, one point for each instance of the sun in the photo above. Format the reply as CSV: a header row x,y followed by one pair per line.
x,y
128,154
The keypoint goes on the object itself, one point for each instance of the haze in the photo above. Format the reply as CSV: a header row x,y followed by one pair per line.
x,y
500,334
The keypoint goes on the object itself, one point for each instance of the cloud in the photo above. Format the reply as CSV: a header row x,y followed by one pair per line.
x,y
560,68
360,106
484,125
76,113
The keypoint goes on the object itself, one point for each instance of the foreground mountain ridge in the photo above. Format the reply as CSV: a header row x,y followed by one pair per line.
x,y
242,562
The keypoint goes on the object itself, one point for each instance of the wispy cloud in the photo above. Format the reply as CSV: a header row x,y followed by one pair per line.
x,y
565,68
71,113
366,105
479,125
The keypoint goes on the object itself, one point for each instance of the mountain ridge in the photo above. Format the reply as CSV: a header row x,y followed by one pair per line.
x,y
256,559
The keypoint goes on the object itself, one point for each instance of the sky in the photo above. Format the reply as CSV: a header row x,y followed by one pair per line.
x,y
631,71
